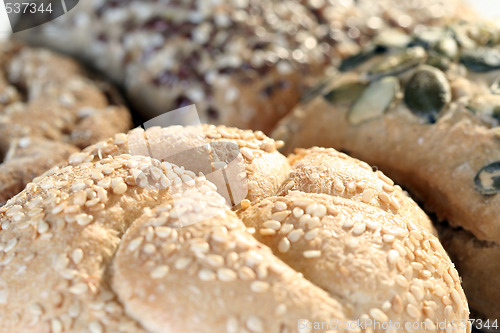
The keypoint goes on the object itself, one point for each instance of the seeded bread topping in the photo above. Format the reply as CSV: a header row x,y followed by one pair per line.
x,y
106,240
49,107
424,110
242,62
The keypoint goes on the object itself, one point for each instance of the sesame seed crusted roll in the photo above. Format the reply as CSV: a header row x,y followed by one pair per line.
x,y
49,108
212,276
380,265
242,62
113,242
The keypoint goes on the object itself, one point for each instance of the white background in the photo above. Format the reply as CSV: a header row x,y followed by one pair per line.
x,y
488,8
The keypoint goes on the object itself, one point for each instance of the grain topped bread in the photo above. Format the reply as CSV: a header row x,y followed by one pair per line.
x,y
49,108
243,63
99,245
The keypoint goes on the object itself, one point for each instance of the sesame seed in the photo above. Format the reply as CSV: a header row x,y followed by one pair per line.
x,y
162,232
10,244
412,311
395,203
401,281
312,254
246,273
455,296
254,324
384,197
79,288
297,212
149,248
119,187
311,234
367,195
159,272
247,153
286,228
417,292
295,235
56,325
280,216
215,260
42,227
36,309
392,256
83,219
338,185
386,179
200,246
95,327
378,315
182,263
226,274
259,286
272,224
206,275
232,325
245,203
77,255
284,245
135,243
280,206
267,232
359,228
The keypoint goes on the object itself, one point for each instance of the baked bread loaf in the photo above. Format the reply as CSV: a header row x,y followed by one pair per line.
x,y
243,63
426,113
106,240
49,107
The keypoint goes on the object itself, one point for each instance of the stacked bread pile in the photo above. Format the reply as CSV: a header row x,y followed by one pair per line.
x,y
123,240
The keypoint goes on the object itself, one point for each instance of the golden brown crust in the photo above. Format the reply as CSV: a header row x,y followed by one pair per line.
x,y
51,107
259,161
378,264
477,262
125,243
320,170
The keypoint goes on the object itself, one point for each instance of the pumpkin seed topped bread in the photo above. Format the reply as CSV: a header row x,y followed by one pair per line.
x,y
244,63
49,108
113,242
425,110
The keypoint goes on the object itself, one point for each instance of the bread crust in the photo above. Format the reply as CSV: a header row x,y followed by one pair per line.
x,y
243,64
126,243
49,108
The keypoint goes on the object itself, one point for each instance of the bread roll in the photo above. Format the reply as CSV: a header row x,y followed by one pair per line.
x,y
243,63
49,107
125,243
426,113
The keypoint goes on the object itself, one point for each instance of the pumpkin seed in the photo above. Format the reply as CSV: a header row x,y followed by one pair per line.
x,y
481,59
315,91
438,61
374,100
487,180
430,37
392,39
427,92
348,91
495,87
367,53
448,46
398,63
